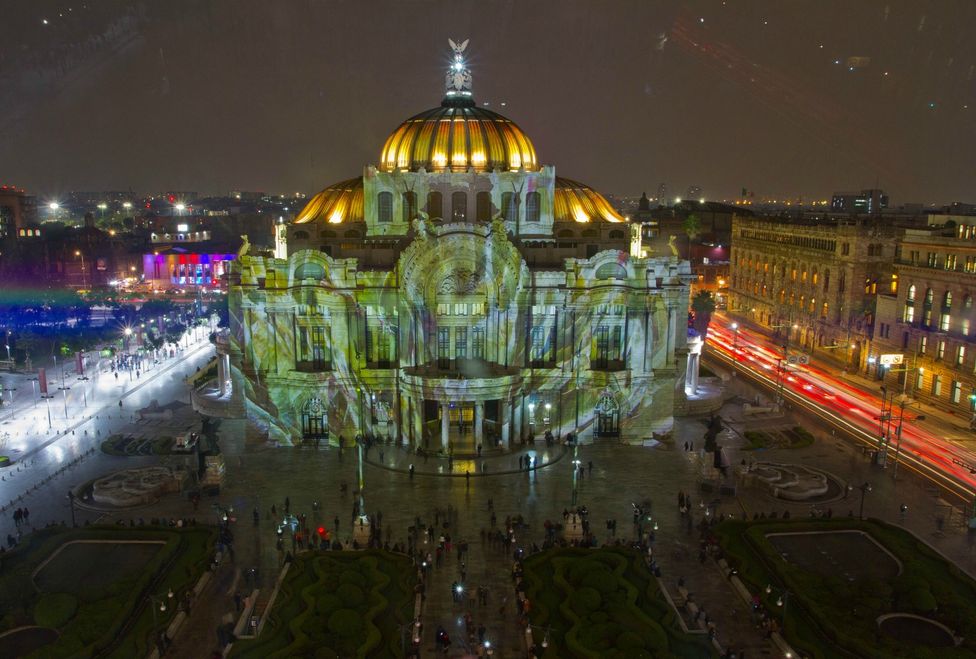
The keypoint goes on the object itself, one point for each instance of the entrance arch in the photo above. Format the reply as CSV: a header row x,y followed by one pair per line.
x,y
315,423
607,416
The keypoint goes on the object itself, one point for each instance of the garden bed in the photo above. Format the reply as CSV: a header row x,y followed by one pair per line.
x,y
88,607
602,603
338,604
127,445
834,613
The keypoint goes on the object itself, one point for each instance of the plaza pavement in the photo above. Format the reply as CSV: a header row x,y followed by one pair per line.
x,y
259,476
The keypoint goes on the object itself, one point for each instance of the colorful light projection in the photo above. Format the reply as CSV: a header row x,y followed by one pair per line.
x,y
185,269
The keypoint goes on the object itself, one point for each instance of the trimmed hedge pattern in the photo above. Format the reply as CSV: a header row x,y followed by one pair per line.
x,y
602,603
338,604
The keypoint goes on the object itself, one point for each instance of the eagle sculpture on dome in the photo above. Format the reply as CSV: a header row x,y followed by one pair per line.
x,y
458,78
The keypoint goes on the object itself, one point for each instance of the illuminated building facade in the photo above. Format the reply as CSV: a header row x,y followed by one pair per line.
x,y
927,316
814,281
458,294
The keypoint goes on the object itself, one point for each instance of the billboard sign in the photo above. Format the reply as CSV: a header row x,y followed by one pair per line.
x,y
891,359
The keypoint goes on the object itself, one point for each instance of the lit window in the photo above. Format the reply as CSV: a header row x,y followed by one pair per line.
x,y
960,355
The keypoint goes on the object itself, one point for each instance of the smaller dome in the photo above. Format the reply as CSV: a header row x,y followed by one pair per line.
x,y
341,202
578,202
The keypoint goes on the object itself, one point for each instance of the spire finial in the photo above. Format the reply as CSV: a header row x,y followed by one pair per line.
x,y
457,83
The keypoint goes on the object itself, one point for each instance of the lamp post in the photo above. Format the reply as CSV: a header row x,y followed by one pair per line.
x,y
161,603
901,420
84,271
865,488
735,344
33,382
71,504
7,346
781,601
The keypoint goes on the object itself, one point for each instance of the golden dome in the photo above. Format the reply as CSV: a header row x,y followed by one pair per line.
x,y
454,137
342,202
578,202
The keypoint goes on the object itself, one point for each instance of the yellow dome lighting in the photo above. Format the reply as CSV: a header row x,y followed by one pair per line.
x,y
342,202
578,202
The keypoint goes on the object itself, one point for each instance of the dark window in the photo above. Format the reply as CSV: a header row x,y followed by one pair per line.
x,y
459,207
385,207
543,346
300,235
478,343
460,342
444,348
591,250
616,235
435,205
533,210
483,207
607,348
409,206
509,206
313,349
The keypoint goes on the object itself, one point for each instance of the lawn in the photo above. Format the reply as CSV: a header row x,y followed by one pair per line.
x,y
835,615
94,607
602,603
338,604
125,445
795,437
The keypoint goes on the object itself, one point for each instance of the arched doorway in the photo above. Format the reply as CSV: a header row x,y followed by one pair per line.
x,y
607,416
315,424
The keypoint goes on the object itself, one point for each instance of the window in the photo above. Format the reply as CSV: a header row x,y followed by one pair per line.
x,y
960,355
459,207
300,235
435,205
950,262
478,343
923,344
313,352
482,207
956,391
936,385
932,259
841,284
927,308
533,207
845,249
893,284
815,277
940,349
384,207
409,206
509,206
920,381
946,310
460,342
443,347
460,309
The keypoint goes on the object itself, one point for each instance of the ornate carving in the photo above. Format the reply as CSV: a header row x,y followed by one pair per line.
x,y
459,282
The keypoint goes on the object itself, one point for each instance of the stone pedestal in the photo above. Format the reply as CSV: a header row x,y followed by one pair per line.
x,y
360,532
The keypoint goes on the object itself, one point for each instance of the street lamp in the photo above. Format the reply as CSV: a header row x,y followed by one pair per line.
x,y
84,272
735,344
7,346
865,488
901,420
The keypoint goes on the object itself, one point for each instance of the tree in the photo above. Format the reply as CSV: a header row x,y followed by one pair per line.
x,y
703,306
692,227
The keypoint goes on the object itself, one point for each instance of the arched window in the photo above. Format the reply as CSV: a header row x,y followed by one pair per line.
x,y
944,317
435,205
565,233
482,203
909,314
384,207
459,207
509,206
409,206
533,207
927,307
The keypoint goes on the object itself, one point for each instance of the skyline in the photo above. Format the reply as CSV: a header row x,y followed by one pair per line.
x,y
195,97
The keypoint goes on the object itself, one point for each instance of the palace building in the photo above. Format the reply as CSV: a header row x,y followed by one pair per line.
x,y
458,293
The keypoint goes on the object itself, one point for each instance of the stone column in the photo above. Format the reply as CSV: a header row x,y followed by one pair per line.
x,y
403,421
445,425
691,370
504,411
222,373
519,403
479,421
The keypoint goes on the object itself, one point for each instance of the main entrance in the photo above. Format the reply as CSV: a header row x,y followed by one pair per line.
x,y
315,425
607,417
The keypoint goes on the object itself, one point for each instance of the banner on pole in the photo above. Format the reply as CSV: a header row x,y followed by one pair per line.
x,y
42,380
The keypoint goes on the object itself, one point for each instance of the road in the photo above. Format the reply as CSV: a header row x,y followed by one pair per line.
x,y
49,459
924,446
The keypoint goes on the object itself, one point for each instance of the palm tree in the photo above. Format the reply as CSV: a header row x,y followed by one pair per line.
x,y
702,305
692,227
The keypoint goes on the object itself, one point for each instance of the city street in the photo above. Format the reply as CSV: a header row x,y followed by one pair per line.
x,y
50,461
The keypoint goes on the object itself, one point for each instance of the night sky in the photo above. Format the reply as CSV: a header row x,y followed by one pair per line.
x,y
293,95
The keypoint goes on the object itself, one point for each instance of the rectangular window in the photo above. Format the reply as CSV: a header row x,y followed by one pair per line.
x,y
313,350
964,327
940,352
443,308
960,355
435,205
482,206
919,381
923,344
533,210
845,249
459,206
444,348
460,342
936,385
909,316
956,391
478,343
409,206
460,309
509,206
944,322
385,207
384,347
932,259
